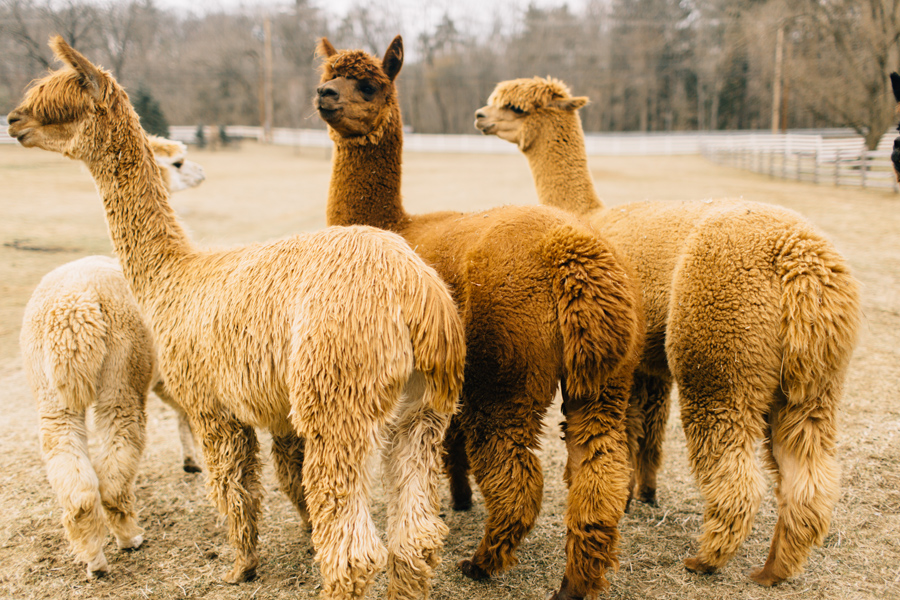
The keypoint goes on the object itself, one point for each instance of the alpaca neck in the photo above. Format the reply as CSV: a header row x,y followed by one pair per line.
x,y
558,162
365,178
145,233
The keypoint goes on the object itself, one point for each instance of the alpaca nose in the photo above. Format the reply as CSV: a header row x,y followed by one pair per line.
x,y
480,115
13,118
325,91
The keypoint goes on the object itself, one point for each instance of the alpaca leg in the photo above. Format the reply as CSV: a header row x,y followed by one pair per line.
x,y
231,451
336,480
69,470
510,478
121,424
652,396
456,465
721,450
287,452
412,475
190,459
597,475
801,451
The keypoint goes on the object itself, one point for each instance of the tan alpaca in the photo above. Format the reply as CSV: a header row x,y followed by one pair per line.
x,y
330,340
750,310
543,299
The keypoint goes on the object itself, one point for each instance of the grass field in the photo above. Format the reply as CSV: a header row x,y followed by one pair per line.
x,y
51,215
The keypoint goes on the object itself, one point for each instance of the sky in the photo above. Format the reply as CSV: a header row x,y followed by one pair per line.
x,y
471,16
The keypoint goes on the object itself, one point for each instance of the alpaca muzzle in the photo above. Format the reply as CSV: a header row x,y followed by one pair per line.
x,y
17,126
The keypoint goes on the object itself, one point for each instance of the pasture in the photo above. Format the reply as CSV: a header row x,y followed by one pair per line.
x,y
51,214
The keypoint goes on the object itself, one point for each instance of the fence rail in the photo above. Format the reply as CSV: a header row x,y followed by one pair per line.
x,y
824,156
840,160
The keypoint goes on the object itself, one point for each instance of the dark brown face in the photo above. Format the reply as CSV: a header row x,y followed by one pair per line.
x,y
352,107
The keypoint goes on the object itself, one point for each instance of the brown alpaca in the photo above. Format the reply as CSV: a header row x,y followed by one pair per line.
x,y
895,153
542,299
330,340
749,310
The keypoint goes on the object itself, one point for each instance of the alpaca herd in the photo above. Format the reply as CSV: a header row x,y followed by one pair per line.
x,y
438,341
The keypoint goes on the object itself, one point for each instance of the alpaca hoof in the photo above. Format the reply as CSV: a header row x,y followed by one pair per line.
x,y
97,567
473,571
190,466
765,578
648,496
695,565
130,543
462,504
240,574
562,595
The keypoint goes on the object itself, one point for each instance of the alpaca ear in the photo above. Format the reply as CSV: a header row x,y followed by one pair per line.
x,y
393,58
895,84
324,48
570,104
91,77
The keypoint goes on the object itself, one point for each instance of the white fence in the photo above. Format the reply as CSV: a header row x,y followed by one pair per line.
x,y
826,156
834,157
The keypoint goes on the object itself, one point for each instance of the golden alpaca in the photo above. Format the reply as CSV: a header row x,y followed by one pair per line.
x,y
542,298
330,340
750,310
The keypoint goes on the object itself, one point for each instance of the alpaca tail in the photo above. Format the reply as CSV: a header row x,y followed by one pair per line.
x,y
598,307
438,340
74,334
819,320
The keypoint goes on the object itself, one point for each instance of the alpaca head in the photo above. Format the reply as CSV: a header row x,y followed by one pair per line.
x,y
69,110
517,110
357,97
895,153
178,173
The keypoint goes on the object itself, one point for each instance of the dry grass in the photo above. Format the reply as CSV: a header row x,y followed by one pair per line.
x,y
51,215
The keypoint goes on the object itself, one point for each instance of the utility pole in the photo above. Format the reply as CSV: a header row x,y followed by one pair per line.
x,y
268,101
777,84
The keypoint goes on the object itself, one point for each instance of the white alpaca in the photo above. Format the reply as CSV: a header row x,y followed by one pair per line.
x,y
84,344
330,340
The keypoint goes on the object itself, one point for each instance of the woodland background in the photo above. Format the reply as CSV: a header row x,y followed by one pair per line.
x,y
647,65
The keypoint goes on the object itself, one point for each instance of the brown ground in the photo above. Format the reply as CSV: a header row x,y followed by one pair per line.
x,y
51,215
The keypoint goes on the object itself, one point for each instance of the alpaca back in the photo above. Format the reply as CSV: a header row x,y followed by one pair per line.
x,y
80,321
326,311
546,258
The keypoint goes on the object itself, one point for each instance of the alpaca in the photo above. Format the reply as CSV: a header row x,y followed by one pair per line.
x,y
542,299
177,172
85,344
750,311
895,153
331,340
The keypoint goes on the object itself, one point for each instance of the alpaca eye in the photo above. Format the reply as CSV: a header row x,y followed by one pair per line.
x,y
368,89
516,109
178,164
